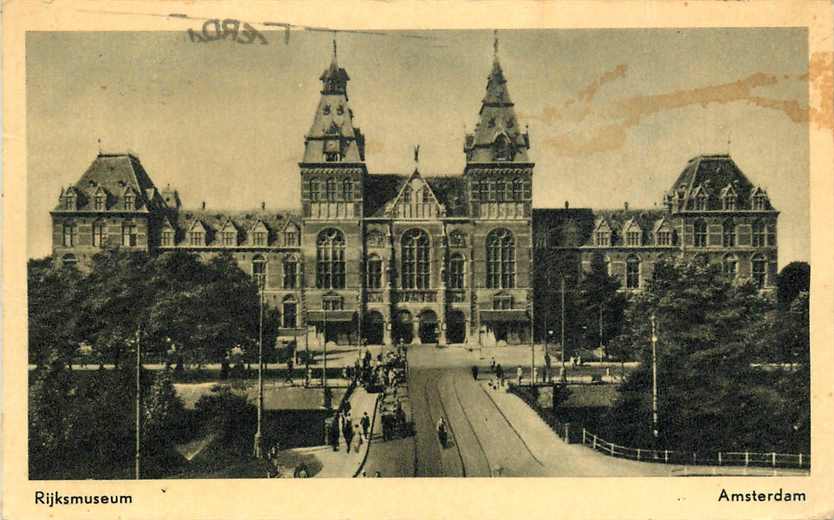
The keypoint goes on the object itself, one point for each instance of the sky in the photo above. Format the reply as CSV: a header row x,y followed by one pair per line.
x,y
613,114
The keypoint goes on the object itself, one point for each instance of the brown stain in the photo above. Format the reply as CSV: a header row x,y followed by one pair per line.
x,y
821,78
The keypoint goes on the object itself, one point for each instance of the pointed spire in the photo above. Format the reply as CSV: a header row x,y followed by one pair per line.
x,y
495,45
335,53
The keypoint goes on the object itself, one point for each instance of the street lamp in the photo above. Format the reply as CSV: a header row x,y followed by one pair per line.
x,y
564,373
654,377
258,435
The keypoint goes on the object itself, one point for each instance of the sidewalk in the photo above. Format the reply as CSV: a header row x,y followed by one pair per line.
x,y
341,464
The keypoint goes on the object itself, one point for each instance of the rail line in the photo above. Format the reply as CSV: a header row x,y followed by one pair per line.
x,y
469,422
511,426
451,430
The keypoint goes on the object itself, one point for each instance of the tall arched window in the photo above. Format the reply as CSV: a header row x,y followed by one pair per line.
x,y
290,311
330,189
758,234
314,190
99,233
499,189
374,272
259,270
729,234
758,269
700,233
330,259
347,189
632,272
500,251
457,266
415,255
290,272
503,149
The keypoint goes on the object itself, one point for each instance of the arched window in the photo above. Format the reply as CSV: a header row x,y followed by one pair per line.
x,y
700,233
457,266
500,255
415,254
374,272
259,270
758,269
290,272
729,234
347,189
69,261
518,193
314,190
730,266
632,272
99,233
758,234
330,259
407,194
330,189
503,148
499,189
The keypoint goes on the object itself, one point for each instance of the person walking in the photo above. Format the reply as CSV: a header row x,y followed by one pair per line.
x,y
492,365
365,421
519,372
360,440
347,432
475,372
547,366
499,371
334,432
290,367
441,432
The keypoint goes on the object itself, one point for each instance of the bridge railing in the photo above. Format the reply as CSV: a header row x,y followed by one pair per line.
x,y
720,458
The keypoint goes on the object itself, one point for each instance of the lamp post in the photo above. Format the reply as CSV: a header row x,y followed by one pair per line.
x,y
325,391
654,377
564,374
138,461
258,434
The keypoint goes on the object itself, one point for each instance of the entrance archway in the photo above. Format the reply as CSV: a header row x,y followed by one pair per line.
x,y
403,330
455,327
428,326
373,328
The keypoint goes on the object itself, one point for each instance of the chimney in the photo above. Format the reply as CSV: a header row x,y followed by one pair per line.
x,y
263,205
204,205
625,205
567,205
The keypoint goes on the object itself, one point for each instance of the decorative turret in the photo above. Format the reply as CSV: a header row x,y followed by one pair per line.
x,y
332,137
497,136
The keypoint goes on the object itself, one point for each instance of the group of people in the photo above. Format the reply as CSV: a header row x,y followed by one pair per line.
x,y
343,429
392,374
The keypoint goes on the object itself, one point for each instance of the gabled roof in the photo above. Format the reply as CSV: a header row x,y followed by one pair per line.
x,y
414,178
448,190
631,223
243,221
117,173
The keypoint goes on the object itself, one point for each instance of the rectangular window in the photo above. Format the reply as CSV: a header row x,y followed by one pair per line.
x,y
99,234
99,203
70,235
633,238
290,274
664,238
259,238
729,203
601,238
314,190
290,238
69,202
758,235
771,235
129,202
289,318
332,303
229,238
129,235
503,303
197,238
729,236
167,238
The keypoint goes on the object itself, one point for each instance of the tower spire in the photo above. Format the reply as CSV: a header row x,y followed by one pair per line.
x,y
335,53
495,44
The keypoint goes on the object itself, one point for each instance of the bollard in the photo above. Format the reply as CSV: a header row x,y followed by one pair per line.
x,y
638,453
800,460
666,456
746,458
595,442
773,458
719,458
583,443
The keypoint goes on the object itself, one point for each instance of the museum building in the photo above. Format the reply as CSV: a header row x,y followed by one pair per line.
x,y
416,258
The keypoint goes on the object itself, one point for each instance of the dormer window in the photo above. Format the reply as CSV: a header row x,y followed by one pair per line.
x,y
291,237
602,238
759,201
259,238
503,149
69,201
197,238
633,238
701,201
130,201
229,238
664,237
729,202
99,202
168,237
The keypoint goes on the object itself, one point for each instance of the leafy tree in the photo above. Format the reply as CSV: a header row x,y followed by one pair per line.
x,y
792,280
162,412
710,397
600,305
229,416
52,421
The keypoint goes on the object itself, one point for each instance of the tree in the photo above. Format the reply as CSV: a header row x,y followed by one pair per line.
x,y
600,305
52,418
710,397
792,280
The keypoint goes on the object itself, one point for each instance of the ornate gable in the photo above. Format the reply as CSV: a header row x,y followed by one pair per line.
x,y
415,200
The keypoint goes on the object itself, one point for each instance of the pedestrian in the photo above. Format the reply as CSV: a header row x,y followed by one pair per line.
x,y
378,475
492,365
290,367
365,421
475,372
499,371
519,372
359,438
347,432
441,432
547,366
334,433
